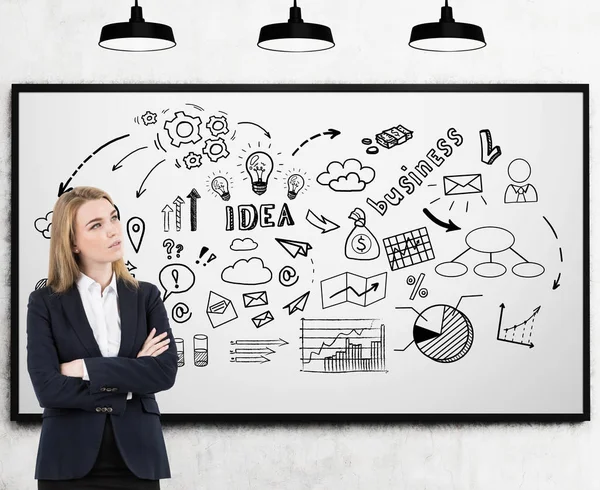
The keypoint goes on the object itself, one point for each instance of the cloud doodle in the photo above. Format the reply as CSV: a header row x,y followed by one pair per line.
x,y
43,225
243,244
251,271
349,176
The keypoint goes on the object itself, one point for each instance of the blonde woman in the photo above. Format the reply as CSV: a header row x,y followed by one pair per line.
x,y
99,346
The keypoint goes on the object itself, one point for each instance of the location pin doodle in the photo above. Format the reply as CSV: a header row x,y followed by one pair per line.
x,y
135,231
361,244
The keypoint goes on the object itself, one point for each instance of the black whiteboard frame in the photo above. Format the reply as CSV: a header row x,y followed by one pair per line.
x,y
291,418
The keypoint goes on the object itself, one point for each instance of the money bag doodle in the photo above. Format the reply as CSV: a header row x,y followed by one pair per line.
x,y
361,244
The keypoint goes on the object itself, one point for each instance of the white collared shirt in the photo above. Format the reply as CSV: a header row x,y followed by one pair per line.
x,y
102,311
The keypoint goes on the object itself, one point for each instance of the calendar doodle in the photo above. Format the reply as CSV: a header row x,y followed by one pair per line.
x,y
408,248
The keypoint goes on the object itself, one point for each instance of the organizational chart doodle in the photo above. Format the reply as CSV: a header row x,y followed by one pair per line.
x,y
399,249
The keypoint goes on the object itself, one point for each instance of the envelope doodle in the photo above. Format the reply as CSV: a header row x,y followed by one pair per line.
x,y
455,185
220,310
259,298
262,319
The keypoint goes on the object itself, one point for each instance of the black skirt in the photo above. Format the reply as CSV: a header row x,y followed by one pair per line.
x,y
109,471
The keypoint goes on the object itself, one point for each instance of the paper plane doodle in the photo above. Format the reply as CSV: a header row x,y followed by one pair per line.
x,y
298,304
293,247
220,310
262,319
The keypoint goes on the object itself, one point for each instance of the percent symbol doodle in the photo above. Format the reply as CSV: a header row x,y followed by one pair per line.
x,y
410,280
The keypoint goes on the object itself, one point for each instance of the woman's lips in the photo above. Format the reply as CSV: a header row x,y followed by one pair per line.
x,y
116,245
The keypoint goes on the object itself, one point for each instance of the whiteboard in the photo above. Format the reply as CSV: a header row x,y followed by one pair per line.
x,y
339,252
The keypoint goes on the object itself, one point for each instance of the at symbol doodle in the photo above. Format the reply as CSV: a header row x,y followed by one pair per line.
x,y
288,276
181,313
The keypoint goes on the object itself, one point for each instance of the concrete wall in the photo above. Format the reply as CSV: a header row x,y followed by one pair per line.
x,y
529,41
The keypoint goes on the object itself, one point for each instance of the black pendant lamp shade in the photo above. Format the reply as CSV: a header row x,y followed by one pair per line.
x,y
295,35
137,34
447,35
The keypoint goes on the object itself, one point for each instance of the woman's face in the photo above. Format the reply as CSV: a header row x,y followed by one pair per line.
x,y
97,228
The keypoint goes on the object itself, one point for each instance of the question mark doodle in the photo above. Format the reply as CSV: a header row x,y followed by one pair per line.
x,y
169,244
179,248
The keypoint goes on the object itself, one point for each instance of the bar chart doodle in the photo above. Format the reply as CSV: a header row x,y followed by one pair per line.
x,y
520,333
408,248
342,345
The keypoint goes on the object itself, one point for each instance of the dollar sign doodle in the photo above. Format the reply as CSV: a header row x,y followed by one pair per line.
x,y
361,244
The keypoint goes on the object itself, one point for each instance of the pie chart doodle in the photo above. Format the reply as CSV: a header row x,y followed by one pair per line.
x,y
442,333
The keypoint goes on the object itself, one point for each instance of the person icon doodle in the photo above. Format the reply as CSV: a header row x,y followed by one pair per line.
x,y
519,171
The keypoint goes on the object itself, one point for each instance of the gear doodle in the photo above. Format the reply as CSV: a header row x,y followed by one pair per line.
x,y
217,125
192,160
149,118
183,129
215,149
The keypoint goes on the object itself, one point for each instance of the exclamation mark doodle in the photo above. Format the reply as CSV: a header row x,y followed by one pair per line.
x,y
175,274
202,253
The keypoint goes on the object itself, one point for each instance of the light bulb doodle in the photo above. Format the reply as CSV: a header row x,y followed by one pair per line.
x,y
295,185
259,166
221,186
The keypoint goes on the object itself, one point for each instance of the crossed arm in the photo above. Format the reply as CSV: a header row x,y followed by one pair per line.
x,y
145,374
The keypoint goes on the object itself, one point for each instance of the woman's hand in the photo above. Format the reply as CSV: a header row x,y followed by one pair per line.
x,y
154,346
74,369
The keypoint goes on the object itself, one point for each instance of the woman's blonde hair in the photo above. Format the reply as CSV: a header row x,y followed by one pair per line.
x,y
63,268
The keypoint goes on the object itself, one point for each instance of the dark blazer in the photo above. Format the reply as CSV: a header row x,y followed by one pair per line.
x,y
75,410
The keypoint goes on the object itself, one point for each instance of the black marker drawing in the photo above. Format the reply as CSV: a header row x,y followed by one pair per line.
x,y
243,245
181,313
130,267
200,350
253,359
322,223
44,225
442,332
203,251
262,319
166,211
249,272
361,244
372,150
555,282
215,149
408,248
295,184
136,228
423,292
118,165
350,176
193,196
489,153
490,240
254,299
41,283
517,334
183,129
519,171
140,191
178,202
457,185
192,160
293,247
220,310
259,166
342,346
169,245
63,186
297,304
352,288
257,342
250,354
288,276
394,136
221,186
266,133
149,118
366,141
217,125
179,347
158,145
450,226
332,133
249,217
176,278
